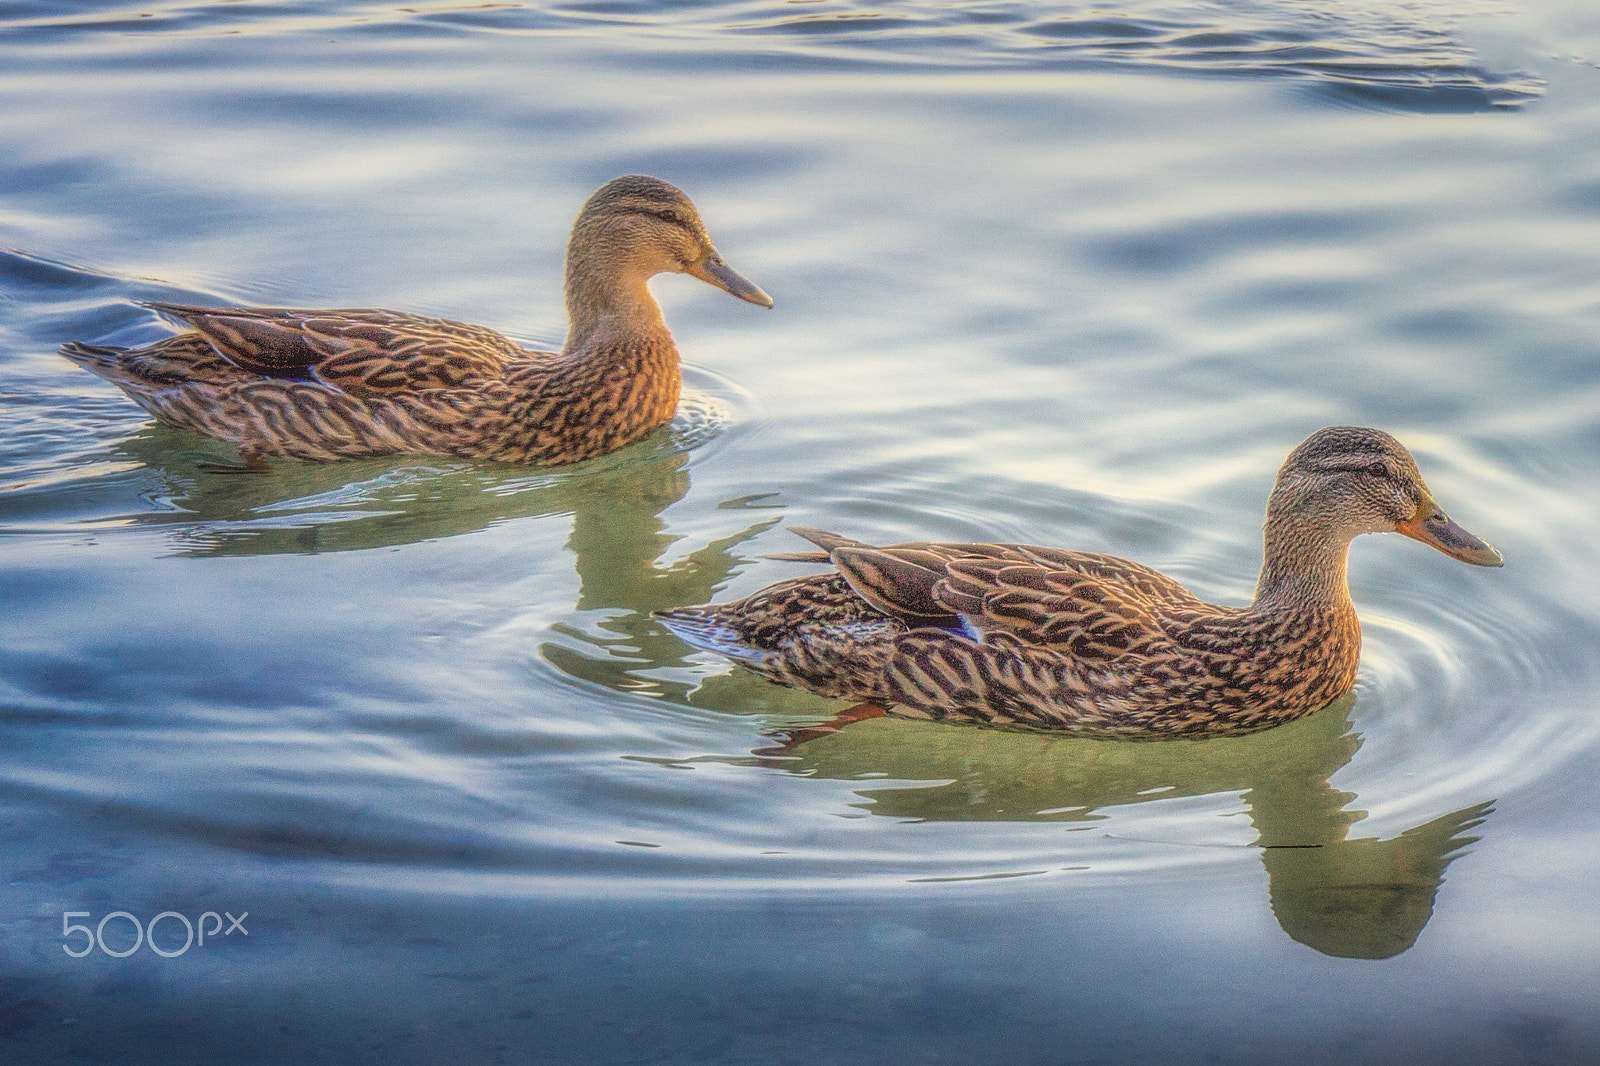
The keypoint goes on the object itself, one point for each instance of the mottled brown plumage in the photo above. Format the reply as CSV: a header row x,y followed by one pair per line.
x,y
340,384
1093,644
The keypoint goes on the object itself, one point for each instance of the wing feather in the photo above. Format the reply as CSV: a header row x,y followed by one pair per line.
x,y
1096,608
360,351
896,582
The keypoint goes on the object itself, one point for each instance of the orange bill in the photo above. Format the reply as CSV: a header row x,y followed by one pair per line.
x,y
1434,528
713,271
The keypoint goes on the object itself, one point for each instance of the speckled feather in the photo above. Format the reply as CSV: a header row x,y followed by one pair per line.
x,y
322,385
1087,643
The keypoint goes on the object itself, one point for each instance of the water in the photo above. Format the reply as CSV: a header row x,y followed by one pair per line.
x,y
1073,275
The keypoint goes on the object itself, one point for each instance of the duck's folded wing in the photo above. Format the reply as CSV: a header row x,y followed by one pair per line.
x,y
362,351
906,580
1089,617
898,581
1094,607
1138,580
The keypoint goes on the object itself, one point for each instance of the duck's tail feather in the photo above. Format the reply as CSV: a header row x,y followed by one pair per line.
x,y
96,357
707,629
825,540
822,539
107,360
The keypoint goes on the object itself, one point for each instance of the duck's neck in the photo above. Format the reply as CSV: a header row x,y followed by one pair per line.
x,y
609,305
612,313
1302,569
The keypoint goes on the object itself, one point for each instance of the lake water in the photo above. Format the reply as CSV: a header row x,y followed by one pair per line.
x,y
1063,274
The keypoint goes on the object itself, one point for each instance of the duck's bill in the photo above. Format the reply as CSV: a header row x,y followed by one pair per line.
x,y
713,271
1434,528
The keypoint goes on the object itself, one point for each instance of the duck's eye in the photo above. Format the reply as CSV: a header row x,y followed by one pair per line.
x,y
667,215
1374,469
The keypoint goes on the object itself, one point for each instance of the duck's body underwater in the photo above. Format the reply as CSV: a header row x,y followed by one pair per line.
x,y
342,384
1088,643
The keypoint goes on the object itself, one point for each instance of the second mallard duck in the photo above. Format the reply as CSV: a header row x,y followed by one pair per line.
x,y
1093,644
340,384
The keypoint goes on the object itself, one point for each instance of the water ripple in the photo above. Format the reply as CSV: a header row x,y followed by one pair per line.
x,y
1405,58
1401,58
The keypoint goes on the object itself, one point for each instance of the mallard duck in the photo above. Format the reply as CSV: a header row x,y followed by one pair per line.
x,y
1087,643
341,384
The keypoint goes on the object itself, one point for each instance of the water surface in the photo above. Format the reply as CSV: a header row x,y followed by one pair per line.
x,y
1069,275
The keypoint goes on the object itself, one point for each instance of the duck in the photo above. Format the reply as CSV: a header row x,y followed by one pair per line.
x,y
1045,638
324,385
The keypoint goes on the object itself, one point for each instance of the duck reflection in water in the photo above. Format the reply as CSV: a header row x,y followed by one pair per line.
x,y
1350,898
615,502
618,537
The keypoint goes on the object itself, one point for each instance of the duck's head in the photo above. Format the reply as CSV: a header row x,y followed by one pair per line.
x,y
1344,481
635,227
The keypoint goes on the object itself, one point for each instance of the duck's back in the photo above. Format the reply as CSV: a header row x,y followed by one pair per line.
x,y
361,351
345,383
